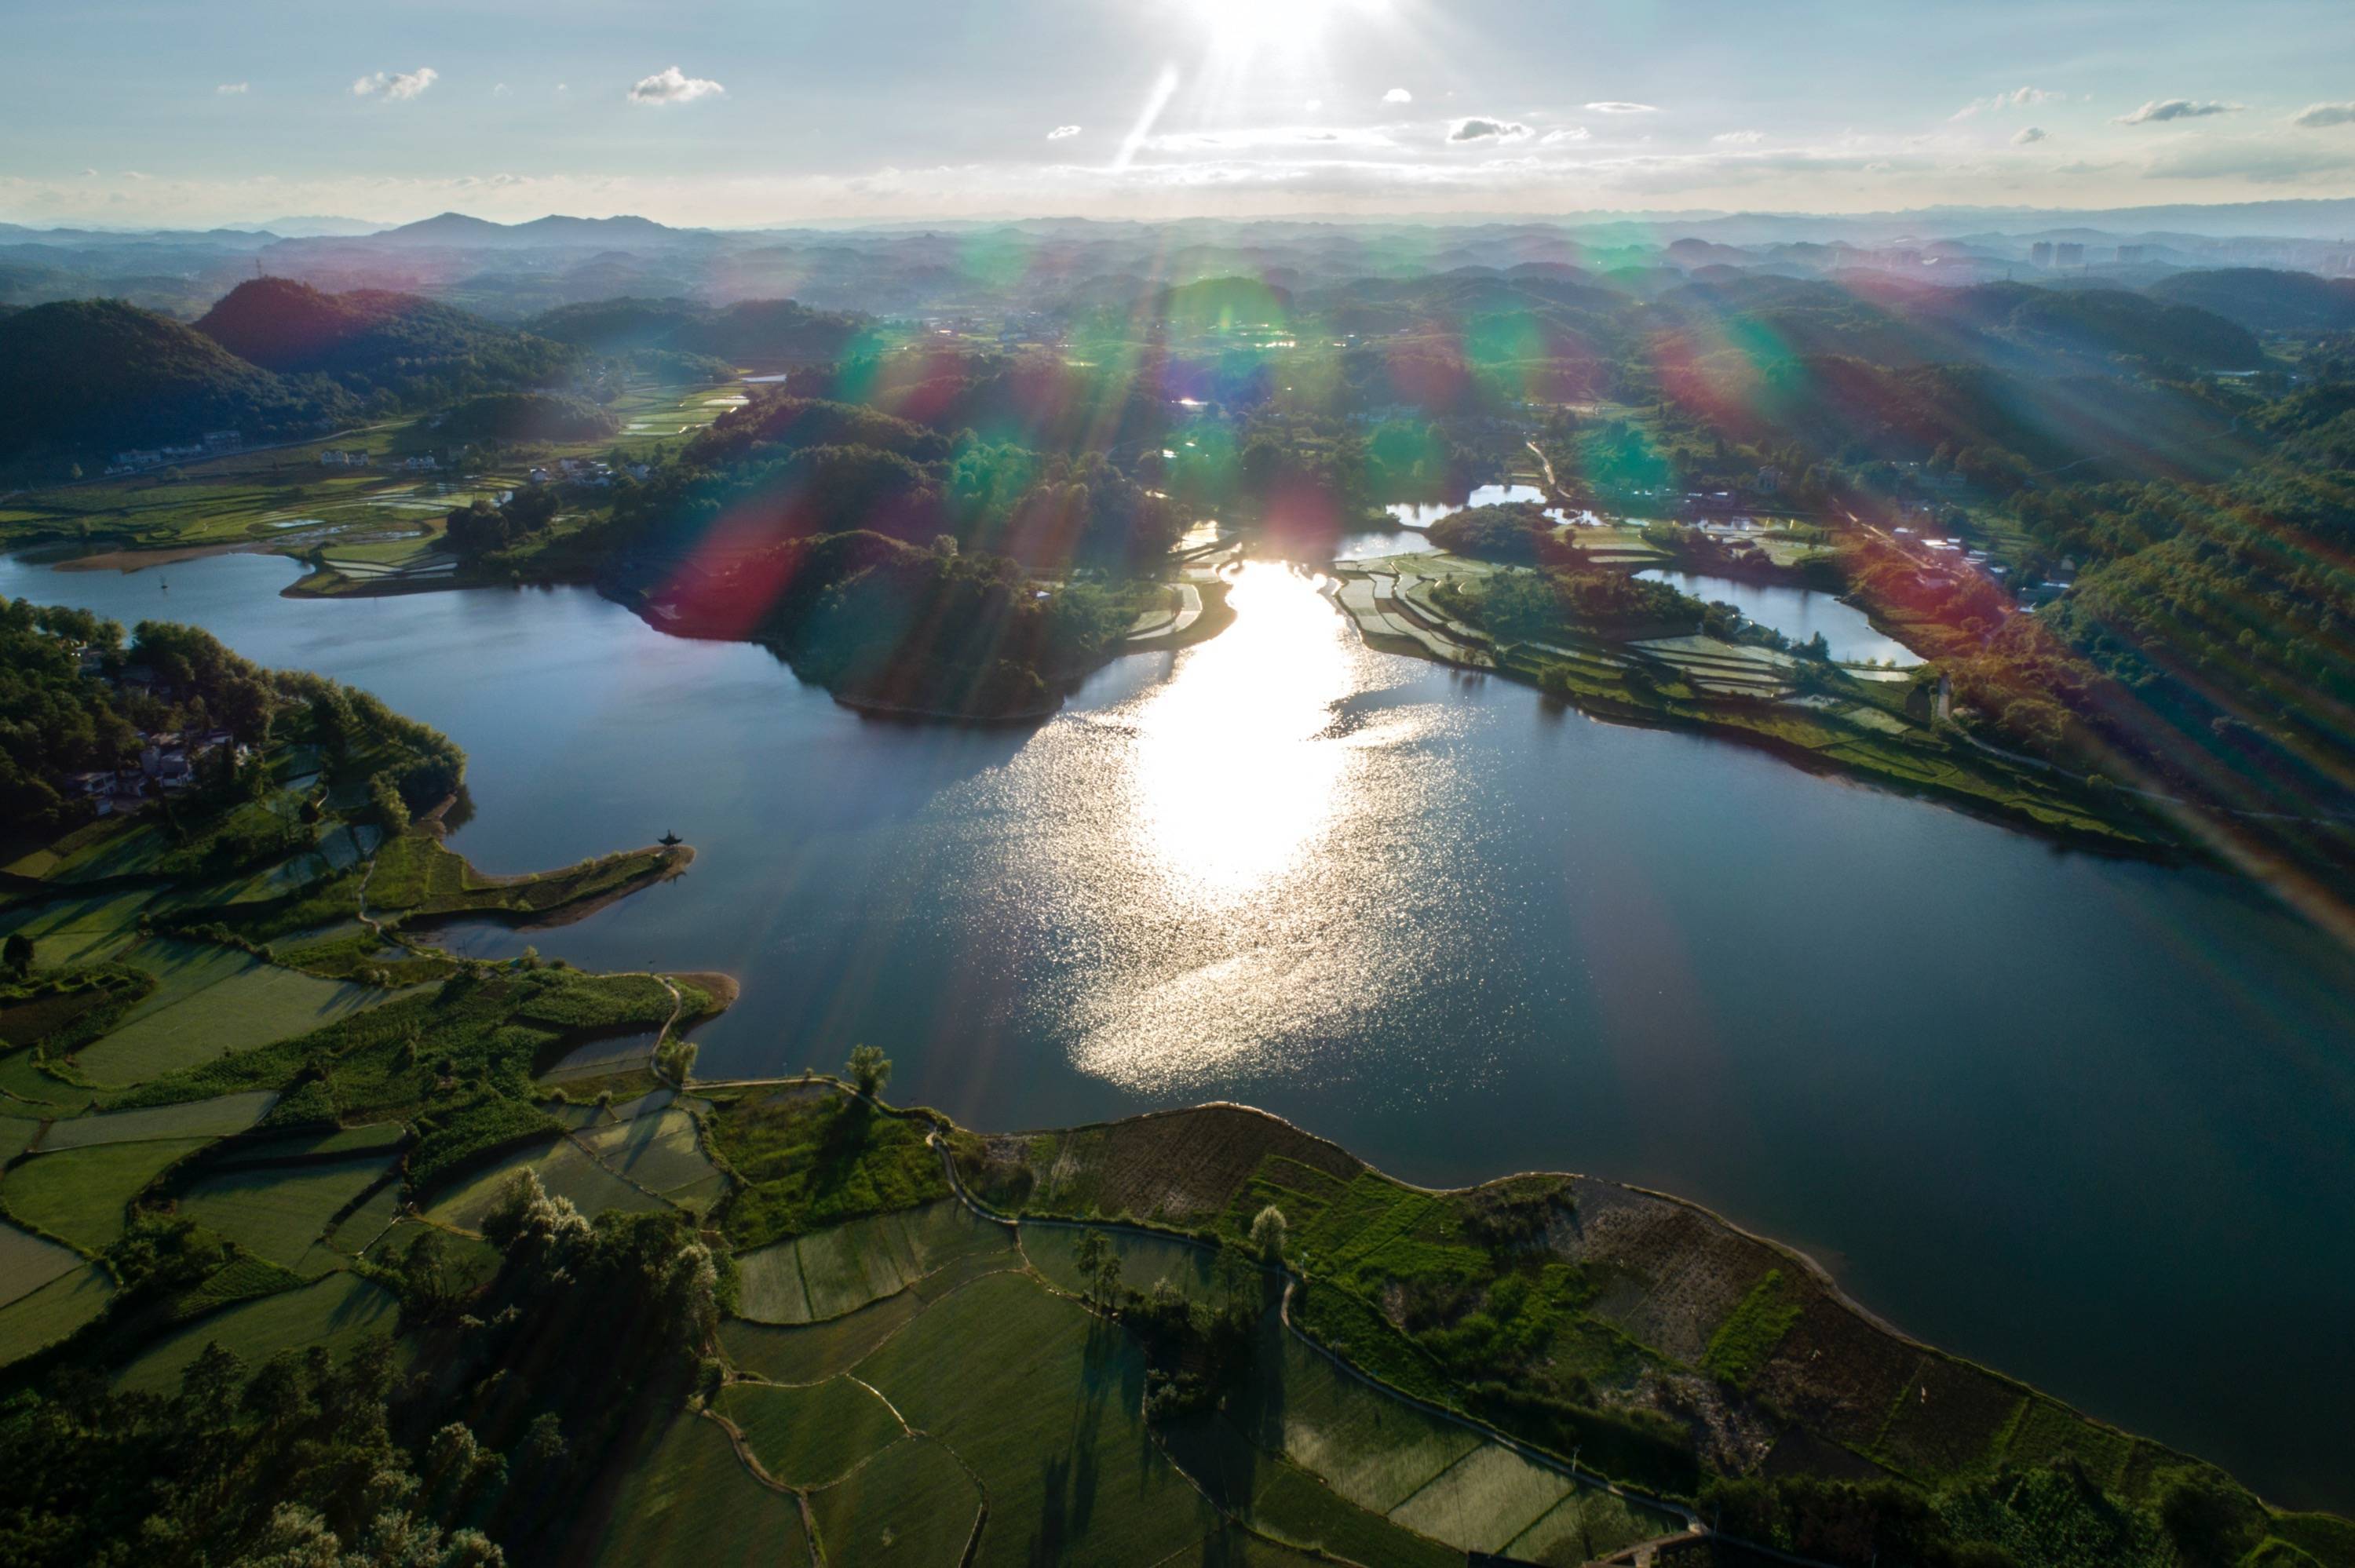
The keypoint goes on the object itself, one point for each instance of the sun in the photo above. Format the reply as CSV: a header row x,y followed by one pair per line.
x,y
1248,26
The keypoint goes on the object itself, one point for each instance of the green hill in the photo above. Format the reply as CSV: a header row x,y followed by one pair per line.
x,y
2262,300
373,340
527,417
97,375
750,331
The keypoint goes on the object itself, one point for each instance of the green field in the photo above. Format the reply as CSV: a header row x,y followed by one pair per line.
x,y
209,1006
659,1152
812,1436
820,1351
691,1500
77,930
281,1214
336,1311
28,1263
215,1118
79,1195
912,1503
1045,1408
839,1269
40,1319
564,1169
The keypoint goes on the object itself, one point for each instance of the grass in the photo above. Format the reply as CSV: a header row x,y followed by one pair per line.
x,y
1053,1252
1747,1337
247,1005
1369,1448
33,1323
215,1118
79,1195
811,1437
688,1500
28,1263
1045,1408
77,929
337,1312
282,1214
416,876
32,1089
814,1157
1281,1500
913,1503
359,1230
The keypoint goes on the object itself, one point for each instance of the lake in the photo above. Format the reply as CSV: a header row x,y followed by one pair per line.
x,y
1797,613
2085,1120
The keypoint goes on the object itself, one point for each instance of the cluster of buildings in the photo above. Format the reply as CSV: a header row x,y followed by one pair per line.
x,y
584,471
337,457
213,443
166,764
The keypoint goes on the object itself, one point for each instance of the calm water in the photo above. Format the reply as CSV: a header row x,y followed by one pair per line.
x,y
2085,1121
1797,613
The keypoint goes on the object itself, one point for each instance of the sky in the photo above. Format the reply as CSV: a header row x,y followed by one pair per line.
x,y
744,113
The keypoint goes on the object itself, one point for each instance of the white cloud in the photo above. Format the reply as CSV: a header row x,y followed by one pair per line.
x,y
394,87
2314,116
1615,106
2018,98
1063,132
1739,138
671,85
1312,105
2026,135
1480,129
1398,95
1566,133
2162,109
234,89
498,89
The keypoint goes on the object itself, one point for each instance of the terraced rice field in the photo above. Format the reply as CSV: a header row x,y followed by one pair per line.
x,y
337,1312
79,1195
283,1214
813,1436
691,1501
565,1168
215,1118
28,1263
839,1270
34,1321
660,1152
215,1005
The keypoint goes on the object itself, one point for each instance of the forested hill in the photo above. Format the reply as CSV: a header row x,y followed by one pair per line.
x,y
374,341
753,332
91,375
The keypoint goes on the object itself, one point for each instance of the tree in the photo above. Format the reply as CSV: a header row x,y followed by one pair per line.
x,y
1268,1233
1090,1255
16,956
868,1068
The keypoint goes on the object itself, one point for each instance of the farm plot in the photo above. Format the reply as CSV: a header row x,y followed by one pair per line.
x,y
831,1272
28,1263
82,930
359,1230
1483,1500
1053,1251
242,1005
912,1503
215,1117
17,1135
659,1152
1584,1527
813,1436
35,1322
564,1168
283,1214
32,1089
1046,1410
79,1195
1373,1450
1279,1499
336,1311
691,1501
818,1351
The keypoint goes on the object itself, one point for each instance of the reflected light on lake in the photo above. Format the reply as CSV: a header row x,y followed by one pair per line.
x,y
1234,873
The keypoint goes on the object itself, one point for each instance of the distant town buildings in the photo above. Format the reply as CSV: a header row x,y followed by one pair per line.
x,y
2040,253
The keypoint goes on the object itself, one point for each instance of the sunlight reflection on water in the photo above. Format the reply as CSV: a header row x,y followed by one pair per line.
x,y
1225,857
